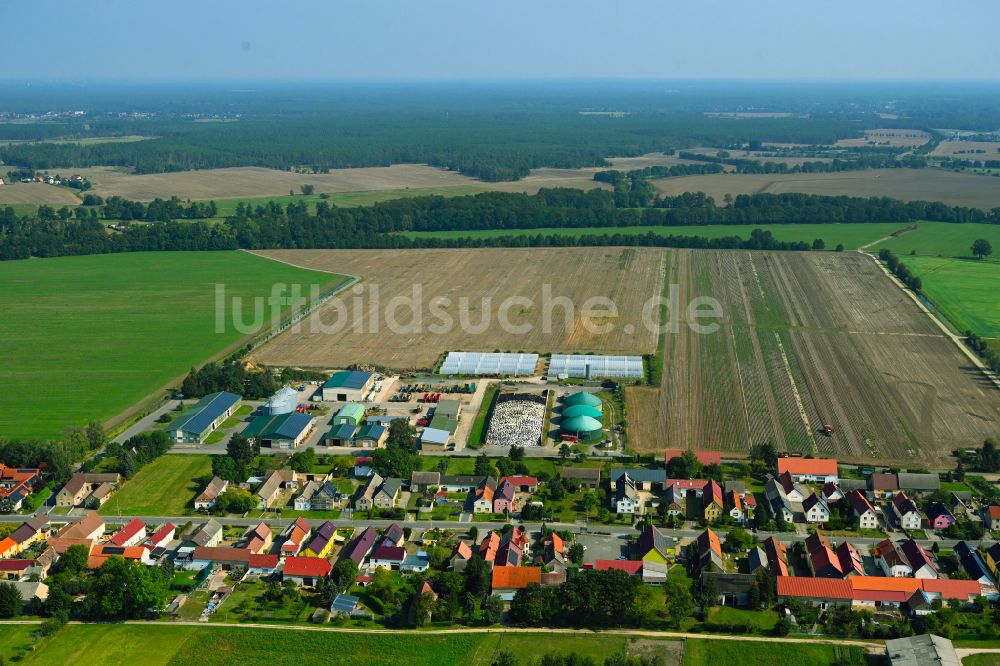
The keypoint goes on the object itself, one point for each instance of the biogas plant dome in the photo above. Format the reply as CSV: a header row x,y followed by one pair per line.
x,y
582,398
580,424
581,410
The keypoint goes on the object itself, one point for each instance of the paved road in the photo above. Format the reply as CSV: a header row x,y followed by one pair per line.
x,y
146,423
608,530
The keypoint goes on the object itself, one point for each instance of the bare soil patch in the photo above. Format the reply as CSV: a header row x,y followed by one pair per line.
x,y
958,189
629,277
810,339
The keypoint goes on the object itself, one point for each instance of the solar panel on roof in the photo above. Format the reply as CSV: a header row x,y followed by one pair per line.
x,y
344,603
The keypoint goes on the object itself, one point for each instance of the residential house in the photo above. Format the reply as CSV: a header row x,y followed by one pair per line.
x,y
488,547
460,556
777,556
263,564
587,477
393,536
891,560
83,532
362,468
815,509
295,537
794,490
510,552
206,500
257,539
906,512
16,483
424,481
320,542
809,470
883,485
15,569
226,559
82,489
734,507
710,552
554,555
507,580
461,484
674,502
823,562
993,560
756,560
939,517
778,501
851,562
358,549
133,534
99,554
481,497
920,560
655,549
863,510
305,570
387,557
991,517
327,497
712,506
832,493
269,491
161,537
626,499
208,535
32,530
523,484
644,479
974,565
365,501
505,498
685,488
387,494
304,501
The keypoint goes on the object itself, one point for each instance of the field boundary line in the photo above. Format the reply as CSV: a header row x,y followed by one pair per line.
x,y
969,354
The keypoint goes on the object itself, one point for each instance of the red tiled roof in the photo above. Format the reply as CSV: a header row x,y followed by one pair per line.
x,y
15,565
994,512
812,466
628,566
704,457
515,578
264,561
709,541
817,588
522,480
221,554
307,566
133,527
952,589
686,484
161,533
463,550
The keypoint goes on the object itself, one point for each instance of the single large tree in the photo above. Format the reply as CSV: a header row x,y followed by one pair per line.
x,y
981,248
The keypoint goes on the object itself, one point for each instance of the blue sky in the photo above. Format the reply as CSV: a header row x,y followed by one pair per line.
x,y
140,40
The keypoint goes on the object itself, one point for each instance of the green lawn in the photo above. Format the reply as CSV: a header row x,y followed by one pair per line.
x,y
164,487
942,239
91,336
964,290
703,652
851,235
761,620
986,659
83,645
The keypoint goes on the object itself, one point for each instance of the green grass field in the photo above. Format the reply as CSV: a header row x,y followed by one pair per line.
x,y
964,290
851,235
163,644
164,487
700,652
86,337
941,239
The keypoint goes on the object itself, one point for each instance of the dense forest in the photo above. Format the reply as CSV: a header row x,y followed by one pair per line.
x,y
488,131
294,226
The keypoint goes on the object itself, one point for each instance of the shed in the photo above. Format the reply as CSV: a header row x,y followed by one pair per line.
x,y
352,413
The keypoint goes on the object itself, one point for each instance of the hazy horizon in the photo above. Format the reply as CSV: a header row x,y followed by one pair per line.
x,y
448,40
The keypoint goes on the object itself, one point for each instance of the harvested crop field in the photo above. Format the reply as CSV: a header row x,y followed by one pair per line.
x,y
808,339
37,194
968,150
629,277
959,189
889,137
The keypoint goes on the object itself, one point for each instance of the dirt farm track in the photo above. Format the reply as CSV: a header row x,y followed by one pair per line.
x,y
809,339
805,339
